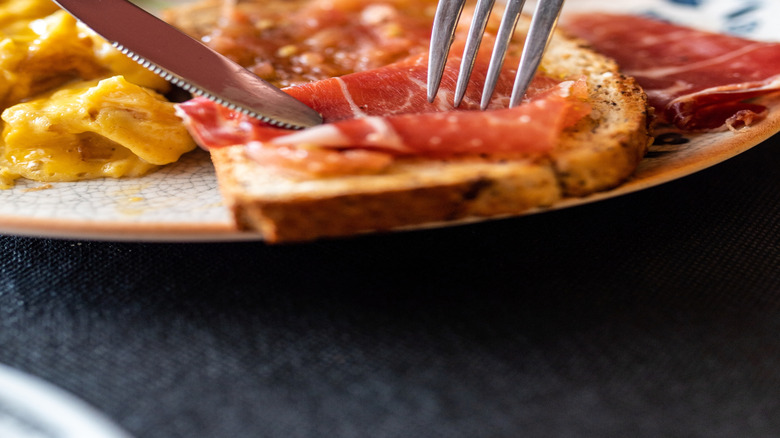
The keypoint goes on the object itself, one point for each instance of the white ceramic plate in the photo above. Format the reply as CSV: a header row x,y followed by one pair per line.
x,y
32,408
181,202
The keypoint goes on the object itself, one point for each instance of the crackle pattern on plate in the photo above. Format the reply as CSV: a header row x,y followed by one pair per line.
x,y
180,199
180,192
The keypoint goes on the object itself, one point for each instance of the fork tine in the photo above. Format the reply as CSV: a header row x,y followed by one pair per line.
x,y
444,23
505,31
448,13
477,29
542,24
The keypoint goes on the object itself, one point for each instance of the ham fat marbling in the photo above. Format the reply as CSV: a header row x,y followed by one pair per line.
x,y
375,115
696,80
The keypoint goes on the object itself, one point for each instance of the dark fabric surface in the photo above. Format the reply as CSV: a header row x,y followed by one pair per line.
x,y
653,314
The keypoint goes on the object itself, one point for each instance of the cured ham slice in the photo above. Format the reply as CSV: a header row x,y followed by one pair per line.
x,y
214,126
696,80
399,88
533,127
375,115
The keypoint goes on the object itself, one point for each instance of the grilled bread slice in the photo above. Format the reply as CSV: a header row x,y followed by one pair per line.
x,y
597,153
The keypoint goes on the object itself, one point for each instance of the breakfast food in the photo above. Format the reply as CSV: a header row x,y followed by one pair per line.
x,y
397,164
696,80
293,42
60,122
386,158
92,129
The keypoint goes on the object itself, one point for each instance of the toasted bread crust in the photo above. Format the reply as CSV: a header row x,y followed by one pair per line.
x,y
598,153
415,191
604,149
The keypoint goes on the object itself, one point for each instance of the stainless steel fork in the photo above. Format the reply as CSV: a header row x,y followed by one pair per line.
x,y
448,13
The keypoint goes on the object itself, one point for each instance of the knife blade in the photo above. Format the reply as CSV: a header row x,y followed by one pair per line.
x,y
189,64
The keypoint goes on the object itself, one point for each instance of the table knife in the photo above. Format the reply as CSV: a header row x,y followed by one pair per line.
x,y
188,63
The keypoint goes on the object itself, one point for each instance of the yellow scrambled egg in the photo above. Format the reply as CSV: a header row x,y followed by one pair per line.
x,y
73,106
90,130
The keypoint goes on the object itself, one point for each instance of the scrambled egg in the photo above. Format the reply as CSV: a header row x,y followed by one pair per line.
x,y
75,107
90,130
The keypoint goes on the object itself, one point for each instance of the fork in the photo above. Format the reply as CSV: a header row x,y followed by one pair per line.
x,y
447,15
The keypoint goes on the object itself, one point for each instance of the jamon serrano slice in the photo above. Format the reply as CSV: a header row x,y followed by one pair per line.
x,y
533,127
696,80
385,111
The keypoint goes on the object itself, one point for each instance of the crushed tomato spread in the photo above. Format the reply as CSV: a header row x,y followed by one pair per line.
x,y
297,41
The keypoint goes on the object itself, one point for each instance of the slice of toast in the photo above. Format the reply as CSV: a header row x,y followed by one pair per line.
x,y
598,153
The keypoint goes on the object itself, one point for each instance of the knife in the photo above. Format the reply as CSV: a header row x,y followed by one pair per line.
x,y
189,64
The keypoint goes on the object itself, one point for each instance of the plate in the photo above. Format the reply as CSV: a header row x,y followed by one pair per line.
x,y
32,408
181,202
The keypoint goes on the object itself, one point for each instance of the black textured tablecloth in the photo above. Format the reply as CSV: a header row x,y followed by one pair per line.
x,y
655,314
